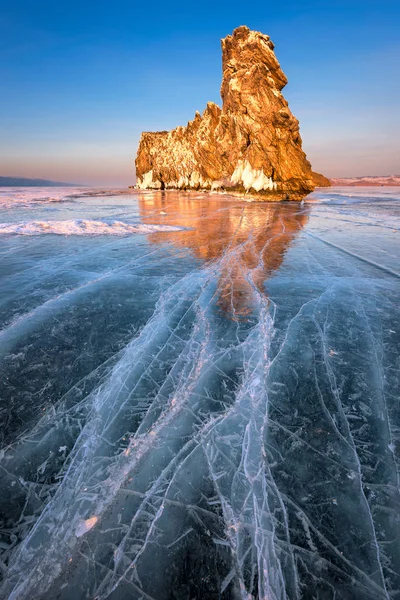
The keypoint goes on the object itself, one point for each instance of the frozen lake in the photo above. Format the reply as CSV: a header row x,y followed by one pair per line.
x,y
199,396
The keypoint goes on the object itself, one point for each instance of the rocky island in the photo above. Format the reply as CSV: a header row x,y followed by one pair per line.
x,y
250,146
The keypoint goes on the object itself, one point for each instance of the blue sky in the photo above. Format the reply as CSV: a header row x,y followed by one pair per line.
x,y
79,81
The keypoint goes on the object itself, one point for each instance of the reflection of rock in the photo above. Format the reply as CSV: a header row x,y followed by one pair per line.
x,y
251,145
249,239
321,180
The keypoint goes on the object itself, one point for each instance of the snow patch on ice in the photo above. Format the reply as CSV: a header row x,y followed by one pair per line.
x,y
81,227
31,197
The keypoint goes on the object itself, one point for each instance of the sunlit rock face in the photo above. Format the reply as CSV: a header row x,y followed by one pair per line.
x,y
251,146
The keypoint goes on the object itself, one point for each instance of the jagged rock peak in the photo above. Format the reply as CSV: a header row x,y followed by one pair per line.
x,y
252,145
245,49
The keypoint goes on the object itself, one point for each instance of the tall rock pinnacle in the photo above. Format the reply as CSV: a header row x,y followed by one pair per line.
x,y
252,145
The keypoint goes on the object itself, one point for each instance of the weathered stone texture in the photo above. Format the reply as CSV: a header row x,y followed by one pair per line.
x,y
252,145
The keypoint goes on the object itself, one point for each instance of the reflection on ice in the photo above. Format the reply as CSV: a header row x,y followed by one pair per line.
x,y
249,241
213,415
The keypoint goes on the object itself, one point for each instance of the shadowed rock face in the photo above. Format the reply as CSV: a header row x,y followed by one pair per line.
x,y
321,180
252,145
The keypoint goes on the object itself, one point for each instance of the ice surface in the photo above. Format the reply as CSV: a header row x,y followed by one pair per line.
x,y
32,197
27,197
205,412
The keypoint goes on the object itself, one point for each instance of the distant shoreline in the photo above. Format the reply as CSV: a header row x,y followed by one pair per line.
x,y
335,185
41,185
6,181
366,181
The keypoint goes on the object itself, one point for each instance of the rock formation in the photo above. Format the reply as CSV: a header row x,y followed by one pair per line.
x,y
252,145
